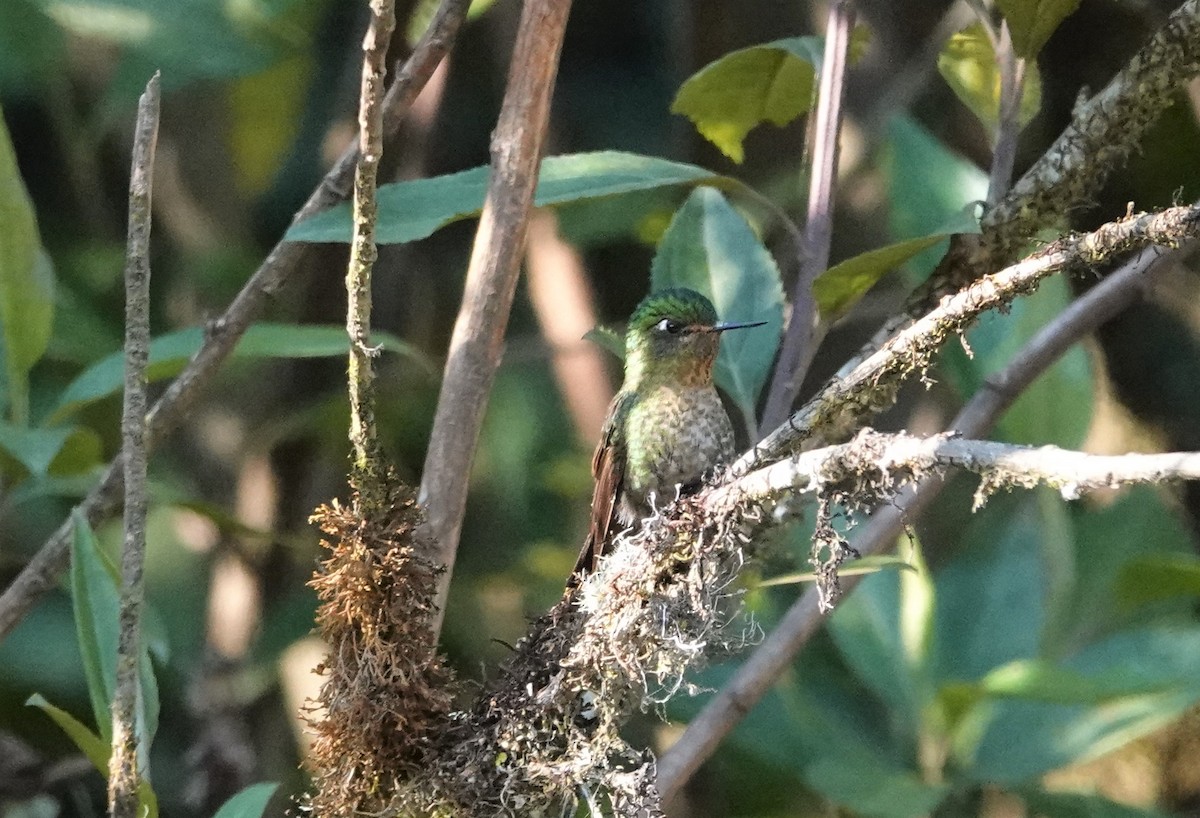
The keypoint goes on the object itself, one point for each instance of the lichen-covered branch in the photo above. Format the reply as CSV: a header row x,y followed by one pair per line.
x,y
42,572
477,341
771,658
876,464
847,400
368,473
1102,135
123,768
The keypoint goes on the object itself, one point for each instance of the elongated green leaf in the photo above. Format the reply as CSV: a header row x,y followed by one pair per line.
x,y
169,353
1082,805
841,286
94,748
863,565
249,803
95,592
774,82
96,602
1019,739
423,13
1158,576
1033,21
26,282
1042,681
413,210
35,449
968,64
710,248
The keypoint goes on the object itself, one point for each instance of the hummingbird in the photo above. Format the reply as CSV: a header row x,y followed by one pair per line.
x,y
667,426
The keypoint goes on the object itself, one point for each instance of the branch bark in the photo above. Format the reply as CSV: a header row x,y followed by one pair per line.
x,y
368,473
873,384
477,342
123,767
800,344
771,658
43,571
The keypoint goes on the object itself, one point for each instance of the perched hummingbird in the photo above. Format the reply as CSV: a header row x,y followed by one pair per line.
x,y
666,427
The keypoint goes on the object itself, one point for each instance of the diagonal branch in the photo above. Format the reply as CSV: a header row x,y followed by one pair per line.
x,y
770,659
43,571
873,384
477,342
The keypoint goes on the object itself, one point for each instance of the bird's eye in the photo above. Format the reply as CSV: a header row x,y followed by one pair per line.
x,y
669,326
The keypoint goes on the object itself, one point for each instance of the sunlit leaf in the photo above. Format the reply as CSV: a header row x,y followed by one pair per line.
x,y
26,282
169,353
710,248
95,749
249,803
1033,21
859,567
774,82
413,210
422,15
841,286
968,64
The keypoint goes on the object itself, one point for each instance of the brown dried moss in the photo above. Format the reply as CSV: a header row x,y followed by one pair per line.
x,y
386,691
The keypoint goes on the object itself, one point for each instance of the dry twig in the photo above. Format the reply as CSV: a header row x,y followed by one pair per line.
x,y
123,768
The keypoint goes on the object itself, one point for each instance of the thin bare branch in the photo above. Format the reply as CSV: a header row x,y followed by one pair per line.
x,y
368,473
477,342
800,341
43,571
123,768
1107,299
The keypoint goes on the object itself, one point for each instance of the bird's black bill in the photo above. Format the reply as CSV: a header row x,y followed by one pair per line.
x,y
728,325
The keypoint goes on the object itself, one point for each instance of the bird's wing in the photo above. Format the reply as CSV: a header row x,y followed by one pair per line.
x,y
608,470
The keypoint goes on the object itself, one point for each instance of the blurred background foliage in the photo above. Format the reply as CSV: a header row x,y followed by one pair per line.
x,y
1046,661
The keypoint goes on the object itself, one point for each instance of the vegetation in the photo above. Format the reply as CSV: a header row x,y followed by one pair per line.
x,y
978,207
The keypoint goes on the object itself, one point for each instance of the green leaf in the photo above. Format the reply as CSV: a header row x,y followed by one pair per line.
x,y
1031,22
860,566
607,339
94,748
169,353
35,449
710,248
1042,681
422,15
1082,805
413,210
95,594
774,82
991,603
841,286
249,803
1158,576
867,786
1057,408
1010,741
26,282
968,64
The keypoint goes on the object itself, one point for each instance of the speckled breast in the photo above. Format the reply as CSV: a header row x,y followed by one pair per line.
x,y
674,436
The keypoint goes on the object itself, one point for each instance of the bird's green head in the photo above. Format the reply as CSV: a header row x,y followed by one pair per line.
x,y
673,336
